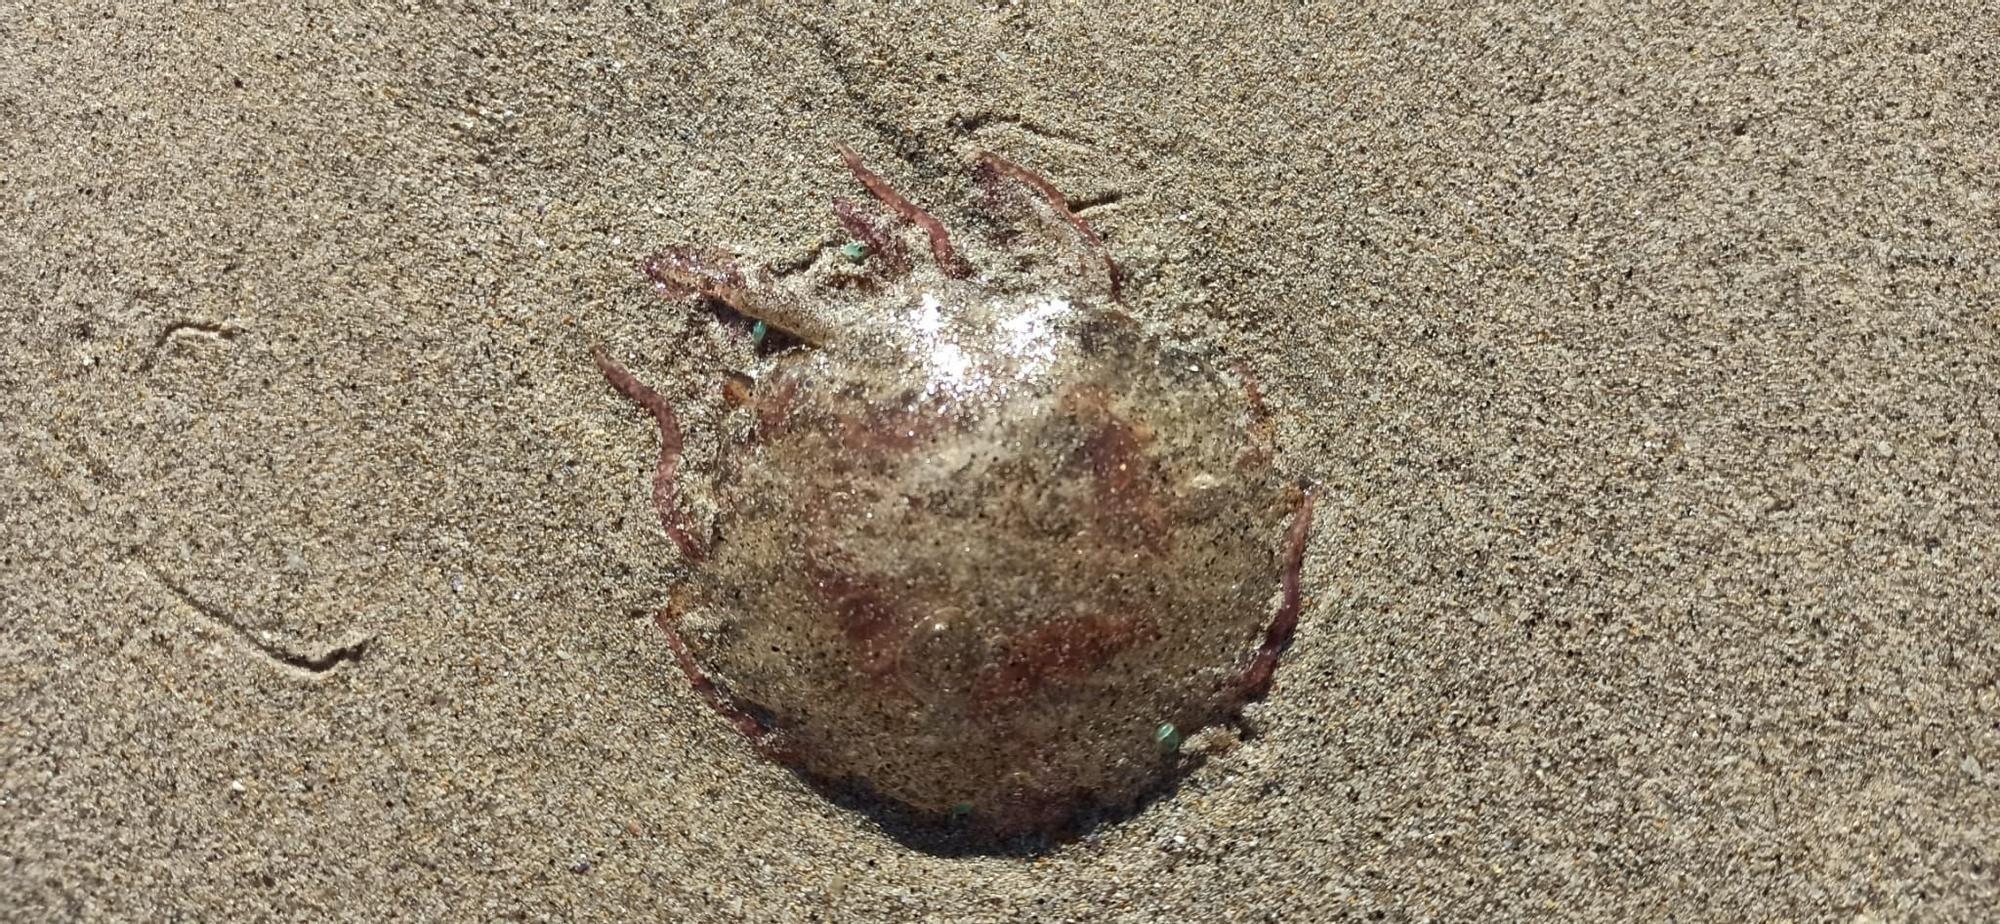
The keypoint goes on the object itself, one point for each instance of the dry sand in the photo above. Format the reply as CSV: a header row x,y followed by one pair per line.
x,y
1647,357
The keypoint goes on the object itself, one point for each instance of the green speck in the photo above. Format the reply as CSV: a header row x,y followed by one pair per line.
x,y
757,333
855,252
961,810
1168,738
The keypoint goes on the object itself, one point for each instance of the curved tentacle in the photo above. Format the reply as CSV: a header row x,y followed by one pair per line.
x,y
1256,678
766,740
990,166
744,722
941,248
674,519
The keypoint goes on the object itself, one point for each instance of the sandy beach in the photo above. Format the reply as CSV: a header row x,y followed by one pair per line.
x,y
1648,362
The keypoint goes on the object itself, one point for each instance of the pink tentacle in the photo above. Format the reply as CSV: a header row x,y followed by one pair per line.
x,y
675,520
1256,678
1001,166
941,248
703,686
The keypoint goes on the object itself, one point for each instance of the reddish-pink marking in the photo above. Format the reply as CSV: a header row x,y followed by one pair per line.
x,y
1258,449
774,403
678,272
1055,653
873,625
890,430
1114,448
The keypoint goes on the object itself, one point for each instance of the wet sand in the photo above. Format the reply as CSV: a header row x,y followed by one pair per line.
x,y
1646,362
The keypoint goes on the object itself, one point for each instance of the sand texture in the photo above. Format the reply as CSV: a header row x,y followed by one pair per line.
x,y
1647,357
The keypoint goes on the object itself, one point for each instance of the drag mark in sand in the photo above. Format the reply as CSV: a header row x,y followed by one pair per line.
x,y
313,665
179,330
